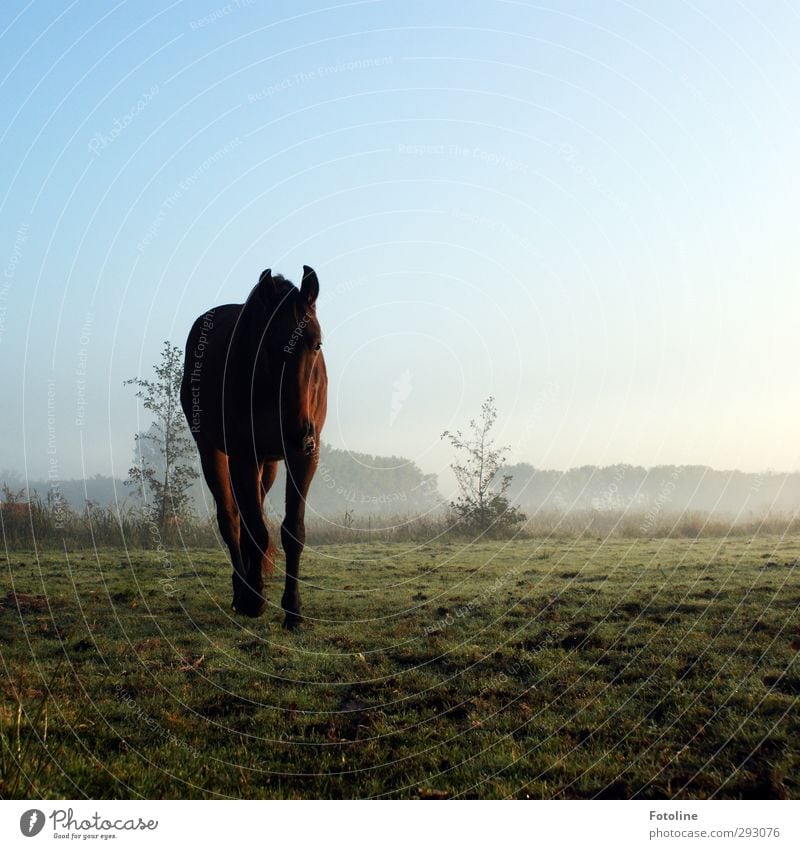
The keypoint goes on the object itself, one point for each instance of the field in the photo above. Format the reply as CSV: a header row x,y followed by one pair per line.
x,y
525,669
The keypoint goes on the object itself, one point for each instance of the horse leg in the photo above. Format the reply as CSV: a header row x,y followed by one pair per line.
x,y
215,471
268,472
245,476
299,472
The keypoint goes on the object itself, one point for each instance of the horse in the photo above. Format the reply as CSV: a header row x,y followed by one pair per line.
x,y
254,392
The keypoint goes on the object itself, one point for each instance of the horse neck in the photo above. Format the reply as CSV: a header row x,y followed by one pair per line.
x,y
252,352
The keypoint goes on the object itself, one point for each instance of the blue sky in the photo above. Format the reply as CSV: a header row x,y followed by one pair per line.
x,y
584,209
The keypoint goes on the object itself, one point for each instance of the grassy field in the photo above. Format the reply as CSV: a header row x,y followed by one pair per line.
x,y
662,668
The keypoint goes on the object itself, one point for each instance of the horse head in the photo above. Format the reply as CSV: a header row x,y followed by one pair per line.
x,y
291,343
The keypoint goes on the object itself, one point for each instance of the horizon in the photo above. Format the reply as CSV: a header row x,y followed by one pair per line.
x,y
582,211
8,474
371,491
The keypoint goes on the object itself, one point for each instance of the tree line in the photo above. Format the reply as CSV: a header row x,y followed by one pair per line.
x,y
164,488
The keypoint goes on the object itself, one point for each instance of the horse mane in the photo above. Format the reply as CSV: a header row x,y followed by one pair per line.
x,y
283,288
286,289
282,285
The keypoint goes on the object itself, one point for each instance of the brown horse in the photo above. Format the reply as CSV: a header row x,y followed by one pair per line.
x,y
254,392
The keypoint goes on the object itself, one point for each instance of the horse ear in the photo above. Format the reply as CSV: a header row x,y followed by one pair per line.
x,y
309,288
266,286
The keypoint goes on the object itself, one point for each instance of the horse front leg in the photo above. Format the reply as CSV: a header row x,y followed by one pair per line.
x,y
299,472
269,470
253,536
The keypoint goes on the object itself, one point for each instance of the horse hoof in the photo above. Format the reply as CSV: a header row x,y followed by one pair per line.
x,y
292,622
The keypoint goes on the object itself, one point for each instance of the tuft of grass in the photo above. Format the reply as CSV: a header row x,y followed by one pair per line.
x,y
23,739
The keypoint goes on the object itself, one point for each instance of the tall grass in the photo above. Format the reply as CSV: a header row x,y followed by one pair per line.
x,y
688,524
29,522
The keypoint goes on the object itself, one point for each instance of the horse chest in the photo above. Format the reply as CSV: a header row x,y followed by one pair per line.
x,y
254,425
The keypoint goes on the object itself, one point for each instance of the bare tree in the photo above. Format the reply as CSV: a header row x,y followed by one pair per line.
x,y
482,505
164,473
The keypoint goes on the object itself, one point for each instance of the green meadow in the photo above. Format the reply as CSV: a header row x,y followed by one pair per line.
x,y
526,669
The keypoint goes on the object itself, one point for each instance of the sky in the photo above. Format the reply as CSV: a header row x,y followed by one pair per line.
x,y
584,209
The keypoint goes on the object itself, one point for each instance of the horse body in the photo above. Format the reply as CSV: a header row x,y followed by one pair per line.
x,y
254,393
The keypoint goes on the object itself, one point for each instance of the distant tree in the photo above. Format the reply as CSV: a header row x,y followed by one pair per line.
x,y
482,504
364,485
162,470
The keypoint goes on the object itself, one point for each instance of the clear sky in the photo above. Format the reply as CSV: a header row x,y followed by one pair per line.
x,y
586,209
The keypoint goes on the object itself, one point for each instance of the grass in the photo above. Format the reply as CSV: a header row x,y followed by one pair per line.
x,y
526,669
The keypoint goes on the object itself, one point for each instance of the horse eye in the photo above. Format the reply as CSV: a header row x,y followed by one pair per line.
x,y
317,346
